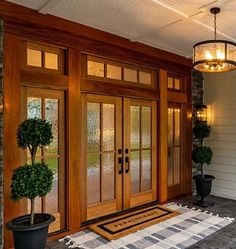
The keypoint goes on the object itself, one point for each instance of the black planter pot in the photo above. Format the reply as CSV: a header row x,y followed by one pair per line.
x,y
203,186
28,236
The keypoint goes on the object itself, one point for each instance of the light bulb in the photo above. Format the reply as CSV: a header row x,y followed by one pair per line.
x,y
208,55
220,55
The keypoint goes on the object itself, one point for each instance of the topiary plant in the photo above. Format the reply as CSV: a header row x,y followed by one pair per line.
x,y
202,154
30,181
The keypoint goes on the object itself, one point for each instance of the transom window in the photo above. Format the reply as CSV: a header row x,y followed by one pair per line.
x,y
112,70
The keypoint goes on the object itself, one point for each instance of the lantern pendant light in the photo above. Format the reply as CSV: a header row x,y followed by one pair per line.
x,y
214,55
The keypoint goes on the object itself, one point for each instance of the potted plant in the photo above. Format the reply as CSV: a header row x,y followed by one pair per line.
x,y
31,181
202,155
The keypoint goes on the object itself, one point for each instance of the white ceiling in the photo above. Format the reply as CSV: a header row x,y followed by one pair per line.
x,y
173,25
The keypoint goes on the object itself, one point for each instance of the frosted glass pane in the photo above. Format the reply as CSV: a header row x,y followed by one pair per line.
x,y
146,170
108,126
146,127
177,84
177,126
93,127
52,198
145,78
170,166
170,82
34,57
135,172
93,178
51,115
177,165
51,61
113,72
135,127
170,126
108,177
95,68
34,106
130,75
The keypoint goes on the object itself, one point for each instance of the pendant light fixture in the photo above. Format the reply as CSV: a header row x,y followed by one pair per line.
x,y
214,55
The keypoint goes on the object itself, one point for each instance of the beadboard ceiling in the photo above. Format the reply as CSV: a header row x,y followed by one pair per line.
x,y
172,25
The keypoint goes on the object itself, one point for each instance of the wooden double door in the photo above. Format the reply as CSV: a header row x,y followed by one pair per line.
x,y
119,164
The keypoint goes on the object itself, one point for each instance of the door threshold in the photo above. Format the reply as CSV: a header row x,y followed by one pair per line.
x,y
109,216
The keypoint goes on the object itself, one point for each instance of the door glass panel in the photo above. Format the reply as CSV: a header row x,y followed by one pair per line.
x,y
113,72
135,172
51,115
177,84
108,127
52,197
145,78
34,107
177,166
108,177
135,127
95,68
170,82
146,170
170,126
93,127
130,75
170,166
93,178
177,126
34,57
51,60
146,127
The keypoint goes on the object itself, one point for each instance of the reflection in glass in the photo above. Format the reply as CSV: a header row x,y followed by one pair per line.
x,y
146,127
135,172
170,126
170,166
108,177
37,205
95,68
108,126
93,127
135,127
113,72
93,178
146,170
51,60
177,126
177,166
51,200
34,106
34,57
51,115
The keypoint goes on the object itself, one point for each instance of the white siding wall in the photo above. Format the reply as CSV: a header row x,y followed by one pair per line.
x,y
220,95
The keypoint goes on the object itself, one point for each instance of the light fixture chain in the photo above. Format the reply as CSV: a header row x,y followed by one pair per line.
x,y
215,25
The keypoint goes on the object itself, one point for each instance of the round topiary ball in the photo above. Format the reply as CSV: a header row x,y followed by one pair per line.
x,y
31,181
202,155
34,132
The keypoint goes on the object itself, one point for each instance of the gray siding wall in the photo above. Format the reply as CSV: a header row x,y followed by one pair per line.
x,y
220,95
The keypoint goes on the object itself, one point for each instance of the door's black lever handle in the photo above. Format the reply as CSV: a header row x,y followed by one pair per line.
x,y
120,162
126,164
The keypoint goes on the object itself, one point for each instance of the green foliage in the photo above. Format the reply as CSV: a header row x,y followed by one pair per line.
x,y
202,155
201,130
30,181
34,132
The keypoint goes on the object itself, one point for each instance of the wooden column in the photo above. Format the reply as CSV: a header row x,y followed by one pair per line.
x,y
73,140
11,157
163,170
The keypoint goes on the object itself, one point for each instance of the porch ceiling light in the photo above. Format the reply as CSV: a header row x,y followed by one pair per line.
x,y
214,55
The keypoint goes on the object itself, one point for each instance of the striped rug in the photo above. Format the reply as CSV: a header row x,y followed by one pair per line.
x,y
179,232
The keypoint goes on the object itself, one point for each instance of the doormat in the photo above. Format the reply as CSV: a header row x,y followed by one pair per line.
x,y
179,232
128,223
